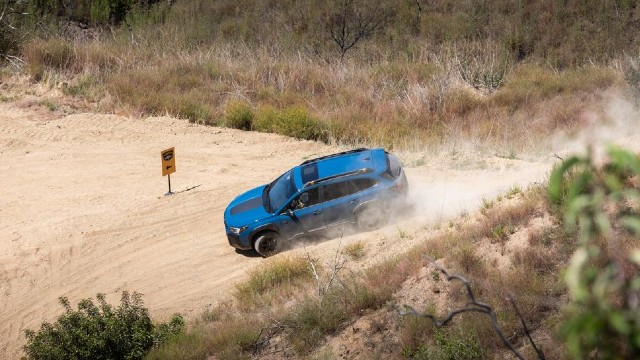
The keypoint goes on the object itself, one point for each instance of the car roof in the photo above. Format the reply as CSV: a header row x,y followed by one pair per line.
x,y
340,163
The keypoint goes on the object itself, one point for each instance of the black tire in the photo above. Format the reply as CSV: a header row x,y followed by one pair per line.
x,y
369,218
268,244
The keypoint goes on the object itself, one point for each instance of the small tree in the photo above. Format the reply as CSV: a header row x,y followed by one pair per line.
x,y
353,20
100,331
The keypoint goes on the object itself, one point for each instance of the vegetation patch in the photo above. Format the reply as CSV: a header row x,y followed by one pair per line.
x,y
99,331
420,75
278,274
355,250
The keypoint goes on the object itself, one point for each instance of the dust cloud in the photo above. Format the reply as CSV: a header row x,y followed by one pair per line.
x,y
453,183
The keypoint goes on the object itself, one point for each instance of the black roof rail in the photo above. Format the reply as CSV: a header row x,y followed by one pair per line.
x,y
348,173
334,155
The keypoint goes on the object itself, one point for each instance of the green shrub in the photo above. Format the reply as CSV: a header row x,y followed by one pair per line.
x,y
294,121
100,331
238,115
194,111
266,119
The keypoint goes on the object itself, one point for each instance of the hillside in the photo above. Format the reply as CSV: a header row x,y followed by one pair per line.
x,y
431,73
480,99
87,213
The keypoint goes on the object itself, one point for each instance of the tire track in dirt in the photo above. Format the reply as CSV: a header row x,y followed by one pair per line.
x,y
85,211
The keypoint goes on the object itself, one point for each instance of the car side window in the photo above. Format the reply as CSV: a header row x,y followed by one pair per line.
x,y
363,184
338,190
305,199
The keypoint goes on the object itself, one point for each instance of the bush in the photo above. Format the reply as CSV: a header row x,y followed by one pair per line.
x,y
294,121
238,115
100,332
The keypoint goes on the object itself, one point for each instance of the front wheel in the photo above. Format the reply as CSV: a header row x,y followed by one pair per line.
x,y
267,244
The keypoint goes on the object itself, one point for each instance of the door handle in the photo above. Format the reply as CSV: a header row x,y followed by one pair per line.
x,y
317,212
354,201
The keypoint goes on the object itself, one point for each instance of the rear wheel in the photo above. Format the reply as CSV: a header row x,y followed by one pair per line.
x,y
369,218
267,244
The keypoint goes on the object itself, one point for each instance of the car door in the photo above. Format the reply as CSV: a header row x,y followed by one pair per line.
x,y
341,199
339,203
305,215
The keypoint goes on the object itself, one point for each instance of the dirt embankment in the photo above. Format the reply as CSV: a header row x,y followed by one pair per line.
x,y
82,209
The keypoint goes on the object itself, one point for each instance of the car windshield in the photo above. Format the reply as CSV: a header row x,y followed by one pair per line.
x,y
280,190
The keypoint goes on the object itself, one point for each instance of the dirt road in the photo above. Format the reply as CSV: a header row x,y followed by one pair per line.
x,y
82,209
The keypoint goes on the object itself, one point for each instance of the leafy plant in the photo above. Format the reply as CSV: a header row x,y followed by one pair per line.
x,y
98,331
603,279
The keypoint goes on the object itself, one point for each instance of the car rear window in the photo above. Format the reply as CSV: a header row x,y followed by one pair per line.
x,y
345,188
394,167
363,184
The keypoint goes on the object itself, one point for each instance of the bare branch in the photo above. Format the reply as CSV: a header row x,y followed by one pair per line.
x,y
472,306
336,267
526,329
14,60
354,21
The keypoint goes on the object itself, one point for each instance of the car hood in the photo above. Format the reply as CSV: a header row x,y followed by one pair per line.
x,y
246,208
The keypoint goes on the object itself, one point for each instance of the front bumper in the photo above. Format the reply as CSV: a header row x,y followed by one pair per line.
x,y
234,240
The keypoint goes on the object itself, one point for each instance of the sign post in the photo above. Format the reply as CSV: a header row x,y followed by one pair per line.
x,y
168,158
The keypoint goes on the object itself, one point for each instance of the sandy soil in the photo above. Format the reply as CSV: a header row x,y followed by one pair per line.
x,y
82,209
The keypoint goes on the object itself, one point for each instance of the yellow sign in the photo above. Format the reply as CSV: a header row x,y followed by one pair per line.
x,y
168,161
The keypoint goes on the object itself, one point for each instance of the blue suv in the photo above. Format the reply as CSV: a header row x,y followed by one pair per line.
x,y
352,187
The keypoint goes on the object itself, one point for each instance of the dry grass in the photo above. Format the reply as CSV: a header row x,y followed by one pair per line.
x,y
276,279
396,103
231,339
279,295
356,250
532,278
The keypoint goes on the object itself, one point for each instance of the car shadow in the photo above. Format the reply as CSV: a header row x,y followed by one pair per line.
x,y
248,253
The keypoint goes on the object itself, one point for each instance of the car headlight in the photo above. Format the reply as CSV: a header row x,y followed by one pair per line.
x,y
238,230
